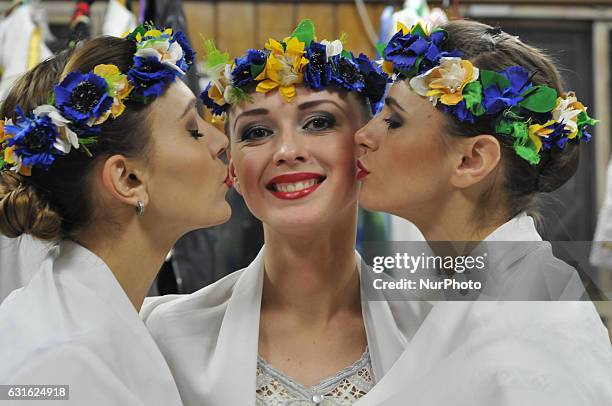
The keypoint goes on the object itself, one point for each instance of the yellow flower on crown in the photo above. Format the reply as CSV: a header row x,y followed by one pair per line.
x,y
284,67
446,81
119,88
539,131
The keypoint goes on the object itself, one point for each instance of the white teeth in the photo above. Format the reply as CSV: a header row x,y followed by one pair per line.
x,y
294,187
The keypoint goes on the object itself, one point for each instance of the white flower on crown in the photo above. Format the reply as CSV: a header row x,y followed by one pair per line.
x,y
567,110
332,48
446,81
165,51
67,138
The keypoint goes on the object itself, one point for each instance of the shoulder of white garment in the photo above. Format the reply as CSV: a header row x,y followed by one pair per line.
x,y
90,380
207,305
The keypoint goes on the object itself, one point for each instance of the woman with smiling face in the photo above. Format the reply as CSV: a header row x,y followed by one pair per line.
x,y
93,143
293,326
474,127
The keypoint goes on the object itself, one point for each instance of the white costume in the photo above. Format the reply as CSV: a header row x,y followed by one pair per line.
x,y
20,259
74,325
422,353
118,19
22,46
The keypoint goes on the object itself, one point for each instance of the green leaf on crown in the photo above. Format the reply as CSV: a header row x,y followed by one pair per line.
x,y
380,48
237,95
419,30
584,119
414,70
472,94
1,162
489,78
347,54
527,152
257,69
539,99
305,32
213,56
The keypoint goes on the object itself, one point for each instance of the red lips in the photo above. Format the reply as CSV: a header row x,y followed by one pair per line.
x,y
362,171
293,178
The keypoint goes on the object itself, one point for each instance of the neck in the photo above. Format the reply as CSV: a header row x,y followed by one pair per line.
x,y
132,255
454,219
314,274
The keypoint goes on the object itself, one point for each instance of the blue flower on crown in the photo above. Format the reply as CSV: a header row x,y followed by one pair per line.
x,y
242,74
82,98
375,81
34,139
496,99
318,72
345,74
150,77
461,112
414,53
188,54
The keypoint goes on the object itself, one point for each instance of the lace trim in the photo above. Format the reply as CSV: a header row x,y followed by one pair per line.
x,y
343,388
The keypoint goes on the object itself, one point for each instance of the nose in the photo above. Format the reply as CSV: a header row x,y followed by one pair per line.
x,y
219,143
367,137
290,149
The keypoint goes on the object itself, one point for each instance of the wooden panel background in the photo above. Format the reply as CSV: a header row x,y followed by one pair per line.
x,y
236,26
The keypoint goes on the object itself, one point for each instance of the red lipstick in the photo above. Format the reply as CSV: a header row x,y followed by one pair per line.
x,y
283,192
362,172
228,181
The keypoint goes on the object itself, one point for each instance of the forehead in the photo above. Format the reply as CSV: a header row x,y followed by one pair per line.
x,y
276,104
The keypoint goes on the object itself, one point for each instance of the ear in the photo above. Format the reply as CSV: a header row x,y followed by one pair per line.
x,y
124,180
478,157
232,172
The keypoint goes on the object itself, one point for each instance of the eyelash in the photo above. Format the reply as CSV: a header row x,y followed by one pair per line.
x,y
391,123
329,120
195,134
247,134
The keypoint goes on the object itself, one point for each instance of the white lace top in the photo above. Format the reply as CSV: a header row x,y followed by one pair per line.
x,y
345,388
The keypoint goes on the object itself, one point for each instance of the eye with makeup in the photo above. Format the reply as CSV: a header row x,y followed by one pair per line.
x,y
193,130
320,122
393,121
254,133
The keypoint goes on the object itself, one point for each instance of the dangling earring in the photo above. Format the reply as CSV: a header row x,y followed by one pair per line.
x,y
140,207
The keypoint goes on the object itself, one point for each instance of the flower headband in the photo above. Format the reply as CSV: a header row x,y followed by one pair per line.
x,y
298,59
82,102
536,117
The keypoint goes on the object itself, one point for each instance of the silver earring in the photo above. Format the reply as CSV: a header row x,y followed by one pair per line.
x,y
140,207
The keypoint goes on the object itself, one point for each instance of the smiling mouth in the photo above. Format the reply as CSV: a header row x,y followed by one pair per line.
x,y
295,186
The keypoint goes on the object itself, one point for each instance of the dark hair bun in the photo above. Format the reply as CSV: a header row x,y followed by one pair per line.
x,y
23,211
558,168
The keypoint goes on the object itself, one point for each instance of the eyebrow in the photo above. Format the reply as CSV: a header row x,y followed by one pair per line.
x,y
253,112
314,103
392,102
190,105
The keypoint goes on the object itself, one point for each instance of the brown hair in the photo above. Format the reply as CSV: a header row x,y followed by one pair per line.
x,y
492,49
59,202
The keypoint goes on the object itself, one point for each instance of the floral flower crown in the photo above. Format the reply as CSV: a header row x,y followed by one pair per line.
x,y
298,59
536,117
82,102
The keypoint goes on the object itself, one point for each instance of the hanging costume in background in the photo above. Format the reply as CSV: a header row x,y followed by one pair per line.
x,y
22,45
426,353
20,259
118,19
74,325
415,11
601,253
